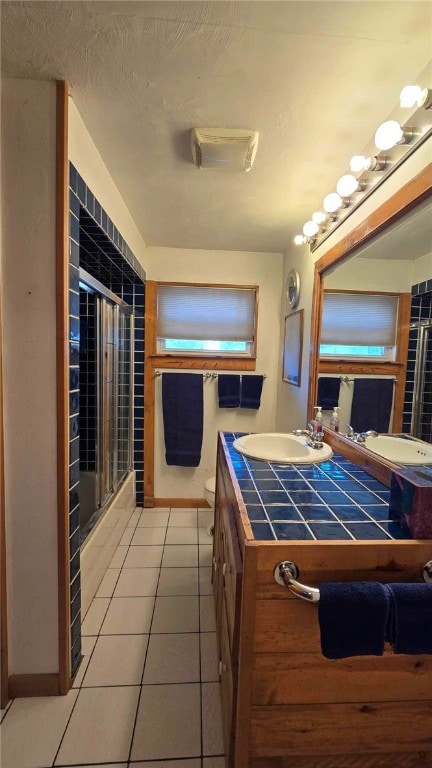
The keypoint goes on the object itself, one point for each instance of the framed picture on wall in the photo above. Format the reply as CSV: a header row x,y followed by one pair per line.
x,y
292,348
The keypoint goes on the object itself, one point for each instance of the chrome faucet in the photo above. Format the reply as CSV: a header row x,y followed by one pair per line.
x,y
313,439
361,437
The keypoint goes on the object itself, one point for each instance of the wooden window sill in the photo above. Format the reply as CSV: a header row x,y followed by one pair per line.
x,y
211,363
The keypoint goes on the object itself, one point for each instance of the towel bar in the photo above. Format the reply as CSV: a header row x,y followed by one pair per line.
x,y
206,375
286,574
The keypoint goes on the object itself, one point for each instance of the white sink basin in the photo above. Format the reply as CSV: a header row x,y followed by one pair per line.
x,y
400,450
281,448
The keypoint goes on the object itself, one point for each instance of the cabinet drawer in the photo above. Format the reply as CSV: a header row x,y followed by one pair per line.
x,y
231,574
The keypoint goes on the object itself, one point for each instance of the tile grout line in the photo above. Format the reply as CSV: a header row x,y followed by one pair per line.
x,y
147,649
80,685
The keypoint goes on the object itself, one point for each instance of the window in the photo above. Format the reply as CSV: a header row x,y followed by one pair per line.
x,y
359,326
206,320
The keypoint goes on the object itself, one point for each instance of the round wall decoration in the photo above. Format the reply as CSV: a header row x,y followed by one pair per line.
x,y
293,288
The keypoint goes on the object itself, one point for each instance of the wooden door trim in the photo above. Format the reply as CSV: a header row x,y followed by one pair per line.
x,y
4,698
407,197
62,383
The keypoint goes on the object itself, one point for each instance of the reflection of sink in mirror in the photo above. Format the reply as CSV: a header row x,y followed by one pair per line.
x,y
281,448
400,450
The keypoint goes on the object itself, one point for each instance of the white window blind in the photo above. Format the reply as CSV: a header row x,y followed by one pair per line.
x,y
359,319
205,313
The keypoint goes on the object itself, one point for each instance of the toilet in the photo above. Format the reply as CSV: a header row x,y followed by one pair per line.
x,y
210,491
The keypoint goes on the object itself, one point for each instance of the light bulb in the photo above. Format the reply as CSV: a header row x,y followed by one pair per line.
x,y
347,185
388,135
332,202
360,163
319,217
310,229
299,239
410,96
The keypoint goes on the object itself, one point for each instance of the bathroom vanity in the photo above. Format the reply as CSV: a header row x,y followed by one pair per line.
x,y
284,704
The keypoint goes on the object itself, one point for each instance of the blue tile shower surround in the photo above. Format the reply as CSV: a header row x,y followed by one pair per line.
x,y
334,500
421,311
96,244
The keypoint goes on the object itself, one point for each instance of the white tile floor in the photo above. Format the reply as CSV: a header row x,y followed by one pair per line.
x,y
147,692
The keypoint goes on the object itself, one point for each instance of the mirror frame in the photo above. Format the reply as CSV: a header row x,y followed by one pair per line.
x,y
407,197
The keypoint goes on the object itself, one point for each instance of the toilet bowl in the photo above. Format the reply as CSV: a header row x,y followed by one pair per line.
x,y
210,491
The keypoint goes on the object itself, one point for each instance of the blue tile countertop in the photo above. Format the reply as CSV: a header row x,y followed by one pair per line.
x,y
333,500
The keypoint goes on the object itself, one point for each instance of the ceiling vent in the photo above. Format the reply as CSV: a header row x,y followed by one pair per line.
x,y
226,149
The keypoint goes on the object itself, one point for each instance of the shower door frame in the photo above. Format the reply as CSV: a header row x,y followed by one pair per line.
x,y
424,330
104,294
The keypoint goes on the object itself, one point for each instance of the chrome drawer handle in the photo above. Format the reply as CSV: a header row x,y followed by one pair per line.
x,y
222,668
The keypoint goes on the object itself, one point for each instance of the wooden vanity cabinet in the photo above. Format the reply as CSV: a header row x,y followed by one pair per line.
x,y
284,704
227,579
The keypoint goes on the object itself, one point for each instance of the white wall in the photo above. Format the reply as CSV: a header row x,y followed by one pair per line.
x,y
264,270
421,269
292,401
86,158
28,248
371,275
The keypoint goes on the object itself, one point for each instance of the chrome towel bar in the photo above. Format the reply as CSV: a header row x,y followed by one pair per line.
x,y
206,375
286,574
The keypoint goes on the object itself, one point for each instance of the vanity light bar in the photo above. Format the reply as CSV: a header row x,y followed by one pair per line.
x,y
395,143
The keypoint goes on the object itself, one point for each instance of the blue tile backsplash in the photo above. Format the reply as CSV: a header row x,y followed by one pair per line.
x,y
334,500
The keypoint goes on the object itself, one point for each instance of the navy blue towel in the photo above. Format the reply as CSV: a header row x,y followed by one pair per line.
x,y
229,390
251,388
371,404
182,405
328,392
353,618
409,627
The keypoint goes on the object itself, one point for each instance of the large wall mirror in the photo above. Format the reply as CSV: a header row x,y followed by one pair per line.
x,y
372,319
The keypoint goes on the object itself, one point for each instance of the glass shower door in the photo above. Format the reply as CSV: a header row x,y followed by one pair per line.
x,y
422,401
106,425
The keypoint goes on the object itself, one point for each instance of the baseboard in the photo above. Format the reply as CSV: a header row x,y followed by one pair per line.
x,y
47,684
180,503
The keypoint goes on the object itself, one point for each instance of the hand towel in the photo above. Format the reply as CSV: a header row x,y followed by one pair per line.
x,y
182,405
409,627
251,388
328,392
353,618
229,390
371,404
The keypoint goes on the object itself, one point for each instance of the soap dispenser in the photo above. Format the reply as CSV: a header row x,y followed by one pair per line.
x,y
334,421
318,420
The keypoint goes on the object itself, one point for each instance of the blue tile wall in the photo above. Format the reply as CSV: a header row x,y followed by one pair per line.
x,y
96,245
421,311
332,500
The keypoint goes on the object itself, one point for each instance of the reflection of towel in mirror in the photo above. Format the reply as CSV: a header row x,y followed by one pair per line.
x,y
328,392
371,404
182,404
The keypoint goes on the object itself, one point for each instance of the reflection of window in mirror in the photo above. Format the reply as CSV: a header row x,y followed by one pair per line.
x,y
359,326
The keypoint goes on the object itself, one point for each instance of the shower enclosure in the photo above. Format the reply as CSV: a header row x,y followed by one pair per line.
x,y
105,412
421,425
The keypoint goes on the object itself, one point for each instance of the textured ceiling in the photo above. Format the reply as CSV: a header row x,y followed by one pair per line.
x,y
408,239
314,78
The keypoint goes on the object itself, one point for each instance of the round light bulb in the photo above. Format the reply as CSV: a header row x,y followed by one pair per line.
x,y
347,185
410,96
388,134
319,217
299,239
360,163
310,229
332,202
